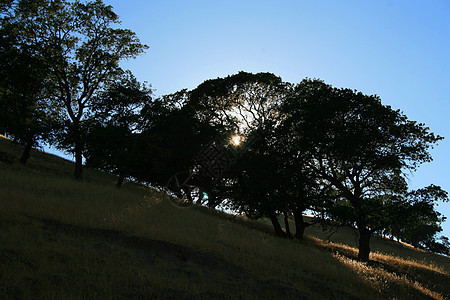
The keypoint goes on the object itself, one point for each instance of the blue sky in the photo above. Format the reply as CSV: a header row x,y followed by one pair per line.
x,y
399,50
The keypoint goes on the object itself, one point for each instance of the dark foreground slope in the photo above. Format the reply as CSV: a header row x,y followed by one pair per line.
x,y
65,239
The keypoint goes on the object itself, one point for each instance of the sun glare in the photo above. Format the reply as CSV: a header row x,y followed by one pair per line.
x,y
236,140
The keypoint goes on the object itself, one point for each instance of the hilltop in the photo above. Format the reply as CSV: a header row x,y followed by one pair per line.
x,y
62,238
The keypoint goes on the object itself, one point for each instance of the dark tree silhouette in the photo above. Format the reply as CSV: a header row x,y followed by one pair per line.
x,y
115,118
254,184
171,136
25,106
242,102
413,218
82,50
247,104
358,146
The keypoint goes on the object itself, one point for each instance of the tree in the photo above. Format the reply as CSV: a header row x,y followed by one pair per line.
x,y
24,89
442,247
300,188
242,102
246,104
171,135
255,182
413,217
115,119
359,146
269,176
82,48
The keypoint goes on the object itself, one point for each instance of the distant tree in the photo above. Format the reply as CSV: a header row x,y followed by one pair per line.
x,y
413,218
442,247
82,49
358,146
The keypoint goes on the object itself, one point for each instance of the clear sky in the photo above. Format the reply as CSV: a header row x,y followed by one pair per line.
x,y
399,50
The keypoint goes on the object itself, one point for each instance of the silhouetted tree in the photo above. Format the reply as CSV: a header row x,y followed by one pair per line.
x,y
171,136
242,102
25,112
269,176
300,188
442,247
413,217
115,119
82,50
254,184
358,146
247,104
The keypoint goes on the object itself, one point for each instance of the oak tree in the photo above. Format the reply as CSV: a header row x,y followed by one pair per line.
x,y
25,112
82,45
358,146
113,123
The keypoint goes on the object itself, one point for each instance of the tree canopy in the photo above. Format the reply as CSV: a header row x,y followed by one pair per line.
x,y
307,146
25,110
358,146
81,47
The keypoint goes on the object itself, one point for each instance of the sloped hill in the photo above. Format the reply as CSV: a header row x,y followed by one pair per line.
x,y
65,239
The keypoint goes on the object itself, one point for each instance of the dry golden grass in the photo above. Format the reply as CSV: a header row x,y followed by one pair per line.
x,y
384,280
387,272
65,239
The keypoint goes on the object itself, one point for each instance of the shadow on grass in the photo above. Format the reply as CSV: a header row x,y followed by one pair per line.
x,y
228,280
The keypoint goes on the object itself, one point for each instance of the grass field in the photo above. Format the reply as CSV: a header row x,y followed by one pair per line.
x,y
64,239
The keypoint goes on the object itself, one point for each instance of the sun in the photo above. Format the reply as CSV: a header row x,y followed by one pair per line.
x,y
236,140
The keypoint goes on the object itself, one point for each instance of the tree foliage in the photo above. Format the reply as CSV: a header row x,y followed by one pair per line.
x,y
25,112
242,102
115,119
358,146
414,219
81,48
306,146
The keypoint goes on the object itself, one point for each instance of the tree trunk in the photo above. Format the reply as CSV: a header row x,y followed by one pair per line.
x,y
300,224
212,200
26,153
188,192
276,225
364,249
120,180
414,240
78,174
286,225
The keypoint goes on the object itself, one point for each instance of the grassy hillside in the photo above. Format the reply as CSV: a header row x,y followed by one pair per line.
x,y
65,239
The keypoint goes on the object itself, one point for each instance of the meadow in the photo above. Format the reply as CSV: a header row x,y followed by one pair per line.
x,y
61,238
